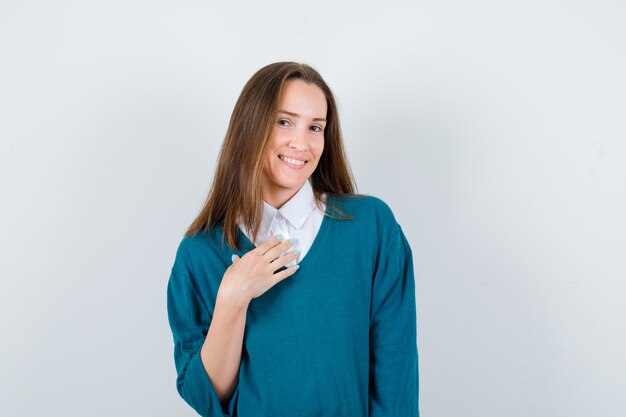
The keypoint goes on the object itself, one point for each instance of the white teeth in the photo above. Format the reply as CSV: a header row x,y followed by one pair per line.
x,y
291,161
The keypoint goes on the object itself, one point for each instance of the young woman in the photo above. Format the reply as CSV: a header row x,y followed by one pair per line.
x,y
309,310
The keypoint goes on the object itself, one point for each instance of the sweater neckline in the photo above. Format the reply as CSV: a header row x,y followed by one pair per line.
x,y
317,241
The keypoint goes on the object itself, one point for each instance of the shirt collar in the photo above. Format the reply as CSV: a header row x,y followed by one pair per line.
x,y
296,210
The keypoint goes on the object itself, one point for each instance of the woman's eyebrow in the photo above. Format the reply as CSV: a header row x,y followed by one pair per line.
x,y
321,119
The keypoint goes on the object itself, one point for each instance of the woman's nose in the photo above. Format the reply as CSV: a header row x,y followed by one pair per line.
x,y
298,146
298,141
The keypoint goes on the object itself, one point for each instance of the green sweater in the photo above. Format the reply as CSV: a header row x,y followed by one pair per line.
x,y
337,338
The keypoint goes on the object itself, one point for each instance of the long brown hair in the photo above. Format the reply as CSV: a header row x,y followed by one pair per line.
x,y
236,189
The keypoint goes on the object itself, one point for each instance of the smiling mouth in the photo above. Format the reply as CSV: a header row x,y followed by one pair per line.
x,y
292,161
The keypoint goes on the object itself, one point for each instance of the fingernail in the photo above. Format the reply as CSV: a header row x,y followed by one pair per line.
x,y
297,252
232,258
280,237
296,267
293,240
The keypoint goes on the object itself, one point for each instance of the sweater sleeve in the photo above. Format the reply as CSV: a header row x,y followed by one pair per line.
x,y
394,377
189,321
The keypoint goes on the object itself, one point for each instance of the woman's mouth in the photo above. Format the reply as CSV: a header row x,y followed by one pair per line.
x,y
292,163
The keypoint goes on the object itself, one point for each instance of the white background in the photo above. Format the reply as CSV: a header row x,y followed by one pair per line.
x,y
496,131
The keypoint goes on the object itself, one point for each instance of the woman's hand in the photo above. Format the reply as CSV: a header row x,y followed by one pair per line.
x,y
253,274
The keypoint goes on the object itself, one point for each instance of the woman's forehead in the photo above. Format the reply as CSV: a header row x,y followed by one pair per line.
x,y
300,99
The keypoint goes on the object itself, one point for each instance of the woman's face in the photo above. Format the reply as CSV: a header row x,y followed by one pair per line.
x,y
296,143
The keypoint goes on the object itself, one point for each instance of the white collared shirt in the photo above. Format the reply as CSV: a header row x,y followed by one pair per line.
x,y
298,218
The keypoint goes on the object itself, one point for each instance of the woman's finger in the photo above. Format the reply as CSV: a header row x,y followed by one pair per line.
x,y
284,260
285,273
267,245
277,250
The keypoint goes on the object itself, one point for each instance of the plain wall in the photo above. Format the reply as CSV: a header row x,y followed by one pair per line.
x,y
495,130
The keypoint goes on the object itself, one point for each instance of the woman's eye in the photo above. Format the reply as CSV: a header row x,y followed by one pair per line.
x,y
281,121
317,127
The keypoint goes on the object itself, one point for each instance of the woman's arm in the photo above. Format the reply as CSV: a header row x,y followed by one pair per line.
x,y
247,278
207,347
221,351
190,321
394,376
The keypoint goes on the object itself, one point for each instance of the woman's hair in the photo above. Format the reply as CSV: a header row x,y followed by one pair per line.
x,y
236,190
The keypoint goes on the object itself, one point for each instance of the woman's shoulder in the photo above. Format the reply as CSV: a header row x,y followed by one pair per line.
x,y
366,207
205,242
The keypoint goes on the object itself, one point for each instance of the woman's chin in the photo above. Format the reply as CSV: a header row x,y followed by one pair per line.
x,y
293,177
292,185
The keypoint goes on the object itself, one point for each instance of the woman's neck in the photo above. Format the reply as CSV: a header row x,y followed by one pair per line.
x,y
279,196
